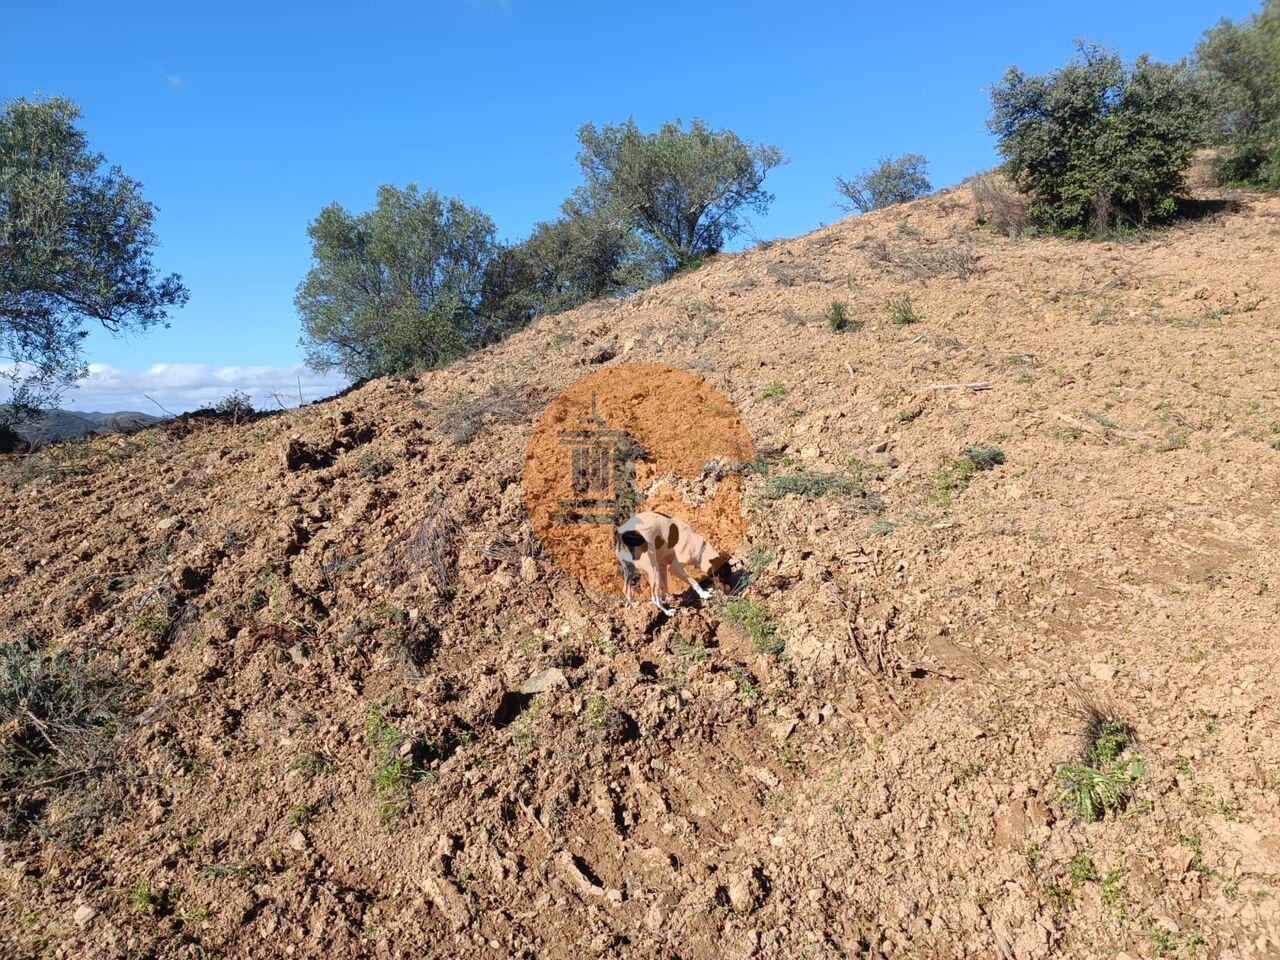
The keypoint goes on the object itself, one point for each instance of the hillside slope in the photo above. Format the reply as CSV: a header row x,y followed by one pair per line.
x,y
884,788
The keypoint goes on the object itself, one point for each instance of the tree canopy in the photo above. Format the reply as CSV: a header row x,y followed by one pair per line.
x,y
76,244
684,189
1243,64
892,180
565,262
398,288
1098,143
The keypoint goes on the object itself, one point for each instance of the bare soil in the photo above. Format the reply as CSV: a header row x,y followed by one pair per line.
x,y
296,601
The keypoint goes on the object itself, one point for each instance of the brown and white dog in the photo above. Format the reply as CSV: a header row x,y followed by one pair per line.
x,y
655,543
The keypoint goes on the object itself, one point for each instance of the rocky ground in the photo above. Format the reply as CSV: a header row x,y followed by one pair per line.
x,y
349,708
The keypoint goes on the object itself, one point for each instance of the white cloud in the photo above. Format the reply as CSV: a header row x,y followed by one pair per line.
x,y
180,387
175,81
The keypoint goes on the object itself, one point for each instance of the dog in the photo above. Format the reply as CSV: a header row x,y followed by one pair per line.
x,y
655,543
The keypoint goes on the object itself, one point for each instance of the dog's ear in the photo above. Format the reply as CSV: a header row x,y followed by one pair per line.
x,y
634,541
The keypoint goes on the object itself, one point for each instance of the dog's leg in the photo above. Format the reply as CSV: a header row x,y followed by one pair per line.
x,y
657,602
660,588
652,572
678,569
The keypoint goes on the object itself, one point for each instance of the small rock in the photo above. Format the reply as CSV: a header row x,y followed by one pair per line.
x,y
746,891
763,775
657,917
552,678
528,569
84,913
298,841
168,523
1103,671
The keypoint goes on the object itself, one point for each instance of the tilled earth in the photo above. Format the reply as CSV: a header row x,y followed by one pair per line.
x,y
363,715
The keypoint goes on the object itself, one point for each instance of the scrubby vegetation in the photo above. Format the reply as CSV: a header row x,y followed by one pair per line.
x,y
1103,778
892,180
1098,144
1242,64
59,717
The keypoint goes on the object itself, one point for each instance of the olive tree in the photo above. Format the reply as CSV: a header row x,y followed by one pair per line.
x,y
1242,63
76,244
578,257
398,288
892,180
685,189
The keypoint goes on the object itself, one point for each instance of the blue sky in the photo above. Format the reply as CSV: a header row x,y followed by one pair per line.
x,y
243,120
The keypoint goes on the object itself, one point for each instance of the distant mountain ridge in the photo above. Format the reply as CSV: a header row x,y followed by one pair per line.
x,y
57,424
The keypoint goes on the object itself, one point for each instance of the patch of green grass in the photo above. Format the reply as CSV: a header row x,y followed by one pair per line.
x,y
697,652
951,479
760,559
140,897
1081,869
299,814
775,391
393,772
902,311
150,623
747,690
1174,943
311,763
1114,896
1104,778
809,485
755,620
956,475
881,528
1174,441
371,468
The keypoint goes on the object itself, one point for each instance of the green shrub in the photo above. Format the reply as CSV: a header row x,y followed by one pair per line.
x,y
59,717
684,189
955,476
892,180
1242,63
902,311
1104,777
838,316
237,405
984,458
1098,144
